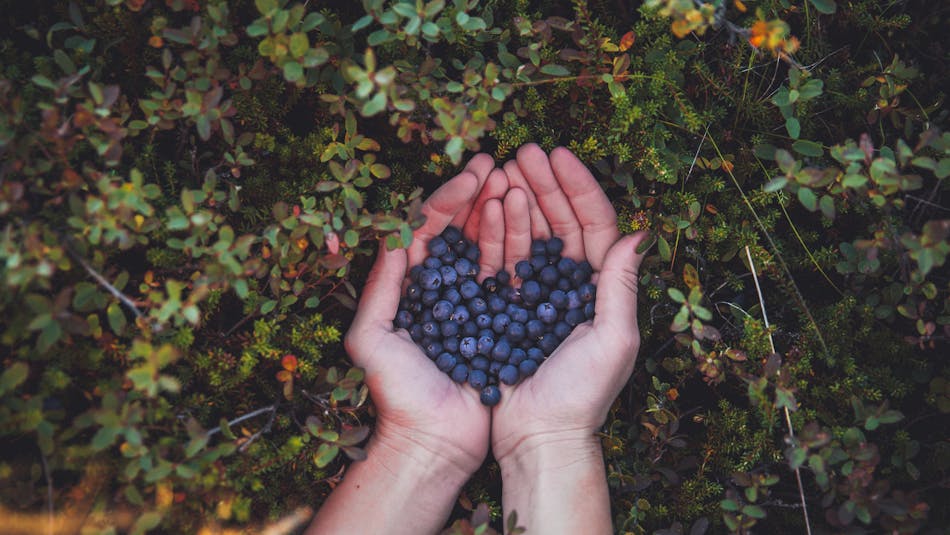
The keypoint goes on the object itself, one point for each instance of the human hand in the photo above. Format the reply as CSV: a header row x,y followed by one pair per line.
x,y
571,392
421,411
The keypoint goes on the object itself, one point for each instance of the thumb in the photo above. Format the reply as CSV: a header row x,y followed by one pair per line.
x,y
616,306
380,299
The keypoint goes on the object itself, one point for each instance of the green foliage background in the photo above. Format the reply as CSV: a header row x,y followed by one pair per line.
x,y
191,193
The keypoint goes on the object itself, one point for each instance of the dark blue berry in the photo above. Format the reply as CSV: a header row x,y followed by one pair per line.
x,y
549,276
466,268
501,351
500,323
438,246
531,292
451,344
535,353
414,292
468,347
503,277
415,332
574,299
587,292
460,314
562,330
430,329
575,317
480,362
554,246
538,263
485,344
429,297
523,269
403,319
527,367
441,310
516,356
493,369
449,275
452,235
516,331
448,328
535,328
547,313
589,311
566,266
508,374
430,279
460,373
469,328
548,343
452,295
490,395
433,349
477,305
414,272
496,304
445,362
538,247
472,253
559,299
483,321
431,262
490,285
469,289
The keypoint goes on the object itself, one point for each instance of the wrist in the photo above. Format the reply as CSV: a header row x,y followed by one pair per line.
x,y
530,454
423,455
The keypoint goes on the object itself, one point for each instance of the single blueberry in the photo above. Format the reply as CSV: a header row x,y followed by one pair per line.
x,y
429,297
414,292
516,356
575,317
490,285
452,295
493,369
527,367
459,247
559,299
554,246
449,275
465,268
487,332
403,319
490,395
477,305
574,299
441,310
468,347
496,304
414,272
460,314
589,311
535,354
503,277
469,328
485,344
448,328
530,292
500,323
480,362
547,313
548,343
509,294
523,269
564,284
438,246
535,328
433,349
508,374
430,279
478,379
469,289
445,362
549,276
460,373
501,351
415,332
451,344
516,331
430,329
452,235
587,292
538,263
483,321
566,266
562,330
538,247
449,258
431,262
426,315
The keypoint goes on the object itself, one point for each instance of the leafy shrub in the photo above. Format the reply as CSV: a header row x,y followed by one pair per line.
x,y
190,193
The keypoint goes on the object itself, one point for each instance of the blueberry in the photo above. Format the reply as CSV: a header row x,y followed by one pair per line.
x,y
415,332
480,362
535,328
430,329
451,344
538,263
586,292
547,313
452,235
554,246
445,362
566,266
430,279
508,374
459,247
564,284
403,319
414,292
460,373
558,298
575,317
469,289
449,258
496,304
516,331
503,277
452,295
468,347
538,247
574,299
460,314
509,294
485,344
449,275
500,323
562,330
441,310
465,268
426,316
433,349
548,343
483,321
527,367
536,354
530,292
438,246
523,269
477,305
549,276
469,328
490,395
448,328
516,356
493,369
589,311
431,262
490,285
501,351
487,332
429,297
414,272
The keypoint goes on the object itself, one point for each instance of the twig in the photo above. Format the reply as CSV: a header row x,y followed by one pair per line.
x,y
271,408
124,299
788,418
49,493
261,431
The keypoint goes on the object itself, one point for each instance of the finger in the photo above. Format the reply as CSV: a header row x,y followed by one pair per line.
x,y
495,188
380,299
536,167
491,239
481,166
517,228
539,224
591,206
615,315
440,208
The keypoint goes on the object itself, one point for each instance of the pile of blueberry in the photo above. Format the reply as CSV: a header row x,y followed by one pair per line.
x,y
493,332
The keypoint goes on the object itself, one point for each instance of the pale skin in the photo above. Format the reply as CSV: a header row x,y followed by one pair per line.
x,y
431,433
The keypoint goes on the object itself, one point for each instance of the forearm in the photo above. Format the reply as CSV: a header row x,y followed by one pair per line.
x,y
557,485
395,490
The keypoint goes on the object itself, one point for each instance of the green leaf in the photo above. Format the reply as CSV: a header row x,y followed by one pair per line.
x,y
729,505
325,454
293,71
13,376
824,6
808,199
299,44
776,184
676,295
374,105
148,521
116,318
753,511
794,127
553,69
827,206
808,148
785,160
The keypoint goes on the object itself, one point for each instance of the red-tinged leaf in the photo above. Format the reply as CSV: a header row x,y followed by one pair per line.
x,y
353,436
333,244
354,453
289,362
627,41
334,261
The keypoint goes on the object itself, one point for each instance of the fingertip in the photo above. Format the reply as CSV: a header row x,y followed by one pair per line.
x,y
480,165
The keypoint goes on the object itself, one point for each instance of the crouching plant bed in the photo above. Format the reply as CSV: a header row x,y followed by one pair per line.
x,y
191,194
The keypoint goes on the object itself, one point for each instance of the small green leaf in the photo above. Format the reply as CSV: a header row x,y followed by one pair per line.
x,y
293,71
794,127
807,148
325,454
808,199
116,317
824,6
13,376
553,69
148,521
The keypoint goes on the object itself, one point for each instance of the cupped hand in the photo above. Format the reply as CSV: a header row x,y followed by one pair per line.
x,y
419,407
570,394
